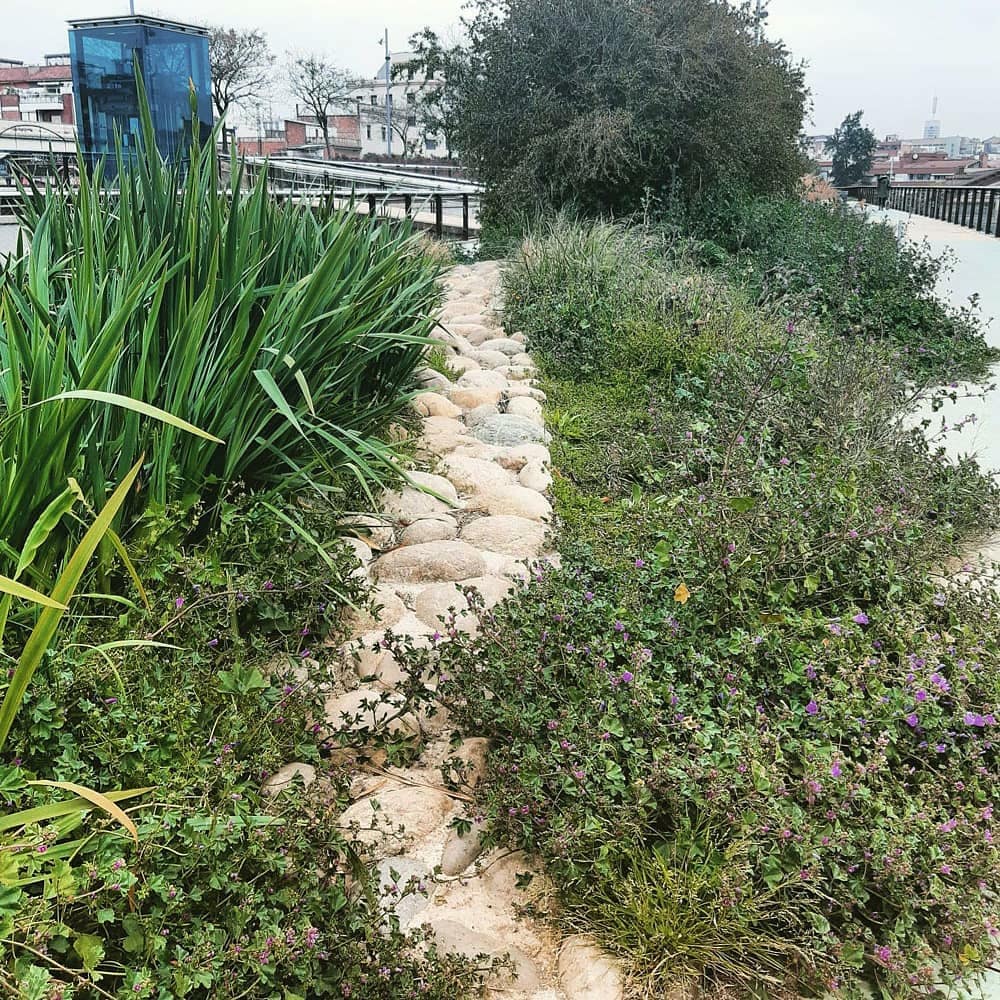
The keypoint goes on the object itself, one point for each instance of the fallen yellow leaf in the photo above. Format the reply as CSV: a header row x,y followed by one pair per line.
x,y
681,594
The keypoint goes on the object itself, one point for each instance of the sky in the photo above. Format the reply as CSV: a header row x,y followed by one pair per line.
x,y
887,57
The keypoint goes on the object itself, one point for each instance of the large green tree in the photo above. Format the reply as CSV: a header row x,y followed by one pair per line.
x,y
853,148
597,104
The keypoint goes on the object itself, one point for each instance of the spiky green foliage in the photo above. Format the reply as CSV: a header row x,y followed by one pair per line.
x,y
290,333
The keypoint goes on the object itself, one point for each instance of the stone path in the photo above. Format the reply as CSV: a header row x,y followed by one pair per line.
x,y
483,449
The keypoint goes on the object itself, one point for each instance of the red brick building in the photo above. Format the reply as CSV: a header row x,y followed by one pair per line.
x,y
42,93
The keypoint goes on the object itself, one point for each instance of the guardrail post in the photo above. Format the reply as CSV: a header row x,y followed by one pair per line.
x,y
465,216
371,206
982,209
989,212
438,215
408,205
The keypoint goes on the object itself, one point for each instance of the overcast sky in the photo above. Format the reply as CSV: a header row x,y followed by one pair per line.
x,y
889,57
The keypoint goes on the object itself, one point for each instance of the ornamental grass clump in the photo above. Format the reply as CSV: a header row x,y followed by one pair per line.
x,y
749,726
289,332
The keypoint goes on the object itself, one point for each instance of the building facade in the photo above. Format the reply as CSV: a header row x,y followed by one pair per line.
x,y
410,133
37,92
173,61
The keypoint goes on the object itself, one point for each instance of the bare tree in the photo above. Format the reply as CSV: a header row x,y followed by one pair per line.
x,y
320,87
241,67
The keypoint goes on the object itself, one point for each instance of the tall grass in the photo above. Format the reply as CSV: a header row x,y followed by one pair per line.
x,y
290,333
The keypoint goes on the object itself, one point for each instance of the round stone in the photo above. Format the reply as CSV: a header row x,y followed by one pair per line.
x,y
516,500
587,972
432,404
471,474
518,456
400,880
491,359
503,345
456,938
481,380
391,609
463,364
369,710
507,534
470,398
479,414
507,429
431,562
460,851
431,379
534,476
289,776
433,529
525,406
434,603
408,505
417,809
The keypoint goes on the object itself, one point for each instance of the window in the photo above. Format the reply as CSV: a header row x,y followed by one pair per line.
x,y
368,131
411,121
383,133
374,100
411,99
411,72
430,145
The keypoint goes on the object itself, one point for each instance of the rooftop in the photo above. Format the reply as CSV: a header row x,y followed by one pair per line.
x,y
143,19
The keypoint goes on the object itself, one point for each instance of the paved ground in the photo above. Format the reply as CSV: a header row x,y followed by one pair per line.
x,y
977,271
8,238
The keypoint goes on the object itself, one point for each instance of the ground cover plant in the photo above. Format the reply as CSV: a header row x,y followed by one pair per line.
x,y
225,892
747,724
829,262
290,334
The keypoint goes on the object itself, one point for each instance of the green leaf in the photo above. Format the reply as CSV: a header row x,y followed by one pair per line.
x,y
743,505
15,589
772,873
127,403
90,948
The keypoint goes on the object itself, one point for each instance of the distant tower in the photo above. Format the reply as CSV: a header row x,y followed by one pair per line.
x,y
932,127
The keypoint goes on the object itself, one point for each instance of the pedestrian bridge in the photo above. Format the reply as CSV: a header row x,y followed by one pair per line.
x,y
32,139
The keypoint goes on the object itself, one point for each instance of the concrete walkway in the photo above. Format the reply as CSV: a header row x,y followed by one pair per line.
x,y
976,271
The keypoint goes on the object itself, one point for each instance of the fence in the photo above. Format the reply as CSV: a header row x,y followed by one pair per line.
x,y
973,207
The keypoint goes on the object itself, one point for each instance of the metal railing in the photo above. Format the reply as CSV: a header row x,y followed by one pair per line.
x,y
973,207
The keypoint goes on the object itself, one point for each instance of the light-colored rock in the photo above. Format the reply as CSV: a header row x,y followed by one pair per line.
x,y
443,425
515,389
433,529
476,449
481,380
391,610
479,414
587,972
507,430
469,768
455,938
368,709
518,456
470,398
491,359
492,589
516,500
463,364
433,404
432,562
419,810
507,534
431,379
525,406
509,567
453,316
459,852
433,603
504,345
472,474
473,332
400,881
519,337
409,504
375,529
534,476
435,484
362,551
289,776
522,359
518,373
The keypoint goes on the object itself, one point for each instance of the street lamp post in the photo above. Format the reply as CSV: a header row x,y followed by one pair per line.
x,y
388,97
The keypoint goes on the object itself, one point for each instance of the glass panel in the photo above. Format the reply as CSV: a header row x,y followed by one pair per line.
x,y
171,63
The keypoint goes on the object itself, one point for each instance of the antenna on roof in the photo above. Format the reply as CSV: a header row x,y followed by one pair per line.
x,y
934,107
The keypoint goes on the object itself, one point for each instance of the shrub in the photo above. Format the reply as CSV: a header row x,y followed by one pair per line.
x,y
289,333
828,261
745,723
